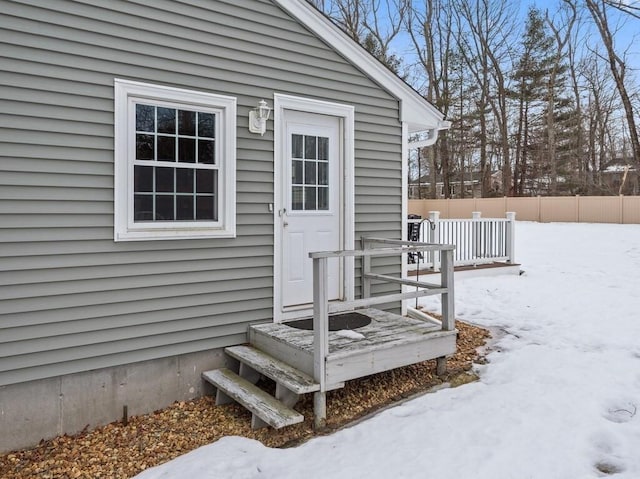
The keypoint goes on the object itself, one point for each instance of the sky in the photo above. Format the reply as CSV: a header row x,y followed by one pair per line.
x,y
558,398
627,28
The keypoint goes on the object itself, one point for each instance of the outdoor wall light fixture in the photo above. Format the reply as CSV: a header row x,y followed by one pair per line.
x,y
258,118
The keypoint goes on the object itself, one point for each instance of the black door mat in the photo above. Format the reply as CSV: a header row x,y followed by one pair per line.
x,y
337,322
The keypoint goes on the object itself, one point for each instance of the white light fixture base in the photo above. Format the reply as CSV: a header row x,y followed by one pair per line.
x,y
258,118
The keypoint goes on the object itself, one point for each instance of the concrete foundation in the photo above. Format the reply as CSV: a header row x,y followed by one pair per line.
x,y
46,408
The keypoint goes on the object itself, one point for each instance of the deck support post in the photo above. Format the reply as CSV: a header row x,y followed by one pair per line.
x,y
446,275
448,312
320,338
319,410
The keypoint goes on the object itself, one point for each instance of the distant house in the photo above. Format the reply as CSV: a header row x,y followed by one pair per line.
x,y
619,176
468,186
166,168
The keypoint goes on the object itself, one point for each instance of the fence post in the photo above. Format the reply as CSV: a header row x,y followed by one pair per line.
x,y
511,237
476,234
539,209
621,209
434,237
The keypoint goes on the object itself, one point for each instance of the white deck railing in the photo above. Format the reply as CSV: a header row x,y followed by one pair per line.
x,y
322,308
477,240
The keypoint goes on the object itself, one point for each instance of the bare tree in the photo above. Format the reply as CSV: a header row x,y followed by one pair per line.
x,y
581,160
372,23
429,25
561,28
600,109
489,25
618,67
348,14
625,7
464,55
383,21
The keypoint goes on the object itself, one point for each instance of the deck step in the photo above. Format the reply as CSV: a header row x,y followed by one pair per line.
x,y
279,371
259,402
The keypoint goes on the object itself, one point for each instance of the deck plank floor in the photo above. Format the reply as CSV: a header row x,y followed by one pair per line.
x,y
384,330
388,342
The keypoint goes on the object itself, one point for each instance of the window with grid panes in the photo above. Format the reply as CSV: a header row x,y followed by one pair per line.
x,y
179,163
309,173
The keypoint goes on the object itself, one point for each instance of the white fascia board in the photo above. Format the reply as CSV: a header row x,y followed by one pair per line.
x,y
415,111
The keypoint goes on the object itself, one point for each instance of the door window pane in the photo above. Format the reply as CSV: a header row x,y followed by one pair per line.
x,y
323,148
309,172
323,173
310,197
296,146
296,198
323,198
310,147
296,172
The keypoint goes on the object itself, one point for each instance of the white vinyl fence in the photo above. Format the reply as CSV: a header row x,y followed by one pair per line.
x,y
477,240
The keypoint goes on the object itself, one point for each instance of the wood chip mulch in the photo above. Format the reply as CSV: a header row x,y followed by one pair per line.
x,y
122,451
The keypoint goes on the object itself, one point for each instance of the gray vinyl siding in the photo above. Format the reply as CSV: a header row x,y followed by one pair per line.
x,y
70,298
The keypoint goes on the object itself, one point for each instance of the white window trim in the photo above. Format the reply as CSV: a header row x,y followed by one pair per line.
x,y
225,107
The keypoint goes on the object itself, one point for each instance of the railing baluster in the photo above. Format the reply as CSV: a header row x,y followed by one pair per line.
x,y
366,269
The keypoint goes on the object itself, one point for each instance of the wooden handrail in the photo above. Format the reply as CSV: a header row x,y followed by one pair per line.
x,y
322,308
358,253
405,282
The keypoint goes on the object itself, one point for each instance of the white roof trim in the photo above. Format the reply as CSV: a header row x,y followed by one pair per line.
x,y
417,112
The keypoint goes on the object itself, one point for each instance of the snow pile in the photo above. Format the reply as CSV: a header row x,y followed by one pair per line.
x,y
559,398
350,334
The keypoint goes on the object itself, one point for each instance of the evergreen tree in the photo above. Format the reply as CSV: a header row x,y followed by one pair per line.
x,y
390,60
531,77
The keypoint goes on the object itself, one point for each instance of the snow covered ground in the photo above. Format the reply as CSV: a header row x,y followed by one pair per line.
x,y
559,398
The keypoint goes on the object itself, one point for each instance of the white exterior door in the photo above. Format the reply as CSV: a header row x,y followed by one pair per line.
x,y
310,217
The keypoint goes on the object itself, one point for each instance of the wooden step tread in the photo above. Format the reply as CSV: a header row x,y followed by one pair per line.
x,y
290,377
260,403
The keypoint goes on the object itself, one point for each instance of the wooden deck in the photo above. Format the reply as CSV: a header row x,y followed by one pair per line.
x,y
388,342
327,359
